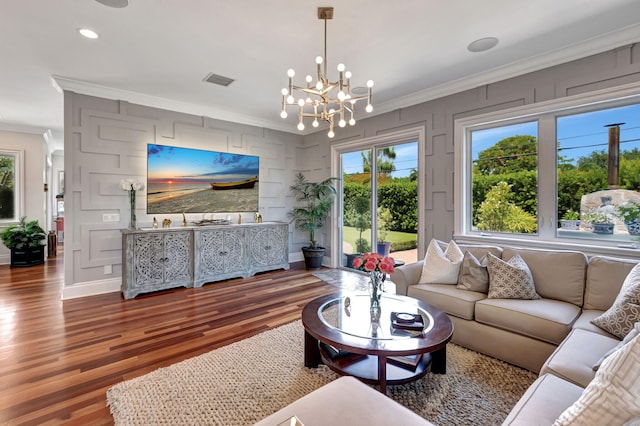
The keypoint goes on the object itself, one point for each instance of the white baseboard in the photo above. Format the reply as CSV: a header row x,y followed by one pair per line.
x,y
91,288
296,257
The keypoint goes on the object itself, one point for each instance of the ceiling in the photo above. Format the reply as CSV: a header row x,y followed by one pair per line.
x,y
157,52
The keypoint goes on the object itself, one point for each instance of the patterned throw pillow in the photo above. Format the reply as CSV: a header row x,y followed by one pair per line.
x,y
611,398
473,274
625,311
511,279
441,267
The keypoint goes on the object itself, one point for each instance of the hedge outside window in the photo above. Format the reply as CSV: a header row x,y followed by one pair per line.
x,y
525,172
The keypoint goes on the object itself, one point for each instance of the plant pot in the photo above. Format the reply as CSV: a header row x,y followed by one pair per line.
x,y
633,227
571,225
350,258
28,256
602,228
384,248
313,257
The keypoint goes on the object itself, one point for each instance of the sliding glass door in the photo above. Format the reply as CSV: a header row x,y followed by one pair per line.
x,y
379,201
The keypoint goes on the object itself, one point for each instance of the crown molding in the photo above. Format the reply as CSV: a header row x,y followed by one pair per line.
x,y
626,36
91,89
612,40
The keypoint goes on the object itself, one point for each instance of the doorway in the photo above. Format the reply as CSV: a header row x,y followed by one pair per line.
x,y
379,198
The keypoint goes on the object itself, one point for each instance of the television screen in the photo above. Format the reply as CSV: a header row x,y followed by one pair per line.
x,y
186,180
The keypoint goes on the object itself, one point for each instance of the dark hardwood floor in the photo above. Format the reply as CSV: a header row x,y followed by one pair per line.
x,y
58,358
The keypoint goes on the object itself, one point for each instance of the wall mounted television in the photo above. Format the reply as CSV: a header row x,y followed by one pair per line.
x,y
187,180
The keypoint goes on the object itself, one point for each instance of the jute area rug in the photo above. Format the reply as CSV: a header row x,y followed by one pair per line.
x,y
246,381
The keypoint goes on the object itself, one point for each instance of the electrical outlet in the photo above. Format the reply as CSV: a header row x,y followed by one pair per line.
x,y
110,217
108,269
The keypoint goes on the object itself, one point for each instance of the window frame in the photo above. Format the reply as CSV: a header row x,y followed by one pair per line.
x,y
18,178
545,113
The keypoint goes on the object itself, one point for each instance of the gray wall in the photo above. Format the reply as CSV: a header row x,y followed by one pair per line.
x,y
106,141
609,69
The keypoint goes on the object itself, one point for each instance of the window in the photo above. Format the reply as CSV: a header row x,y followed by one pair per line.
x,y
10,167
552,172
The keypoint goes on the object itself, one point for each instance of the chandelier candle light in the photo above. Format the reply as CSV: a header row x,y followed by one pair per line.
x,y
324,100
132,186
377,266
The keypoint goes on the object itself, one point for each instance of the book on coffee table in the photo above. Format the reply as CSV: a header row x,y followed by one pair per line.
x,y
406,361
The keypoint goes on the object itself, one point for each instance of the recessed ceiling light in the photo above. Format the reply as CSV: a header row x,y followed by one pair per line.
x,y
114,3
86,32
482,44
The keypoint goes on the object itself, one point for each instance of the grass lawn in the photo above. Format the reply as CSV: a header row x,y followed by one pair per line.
x,y
351,234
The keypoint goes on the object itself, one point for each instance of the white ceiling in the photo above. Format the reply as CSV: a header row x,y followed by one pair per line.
x,y
157,52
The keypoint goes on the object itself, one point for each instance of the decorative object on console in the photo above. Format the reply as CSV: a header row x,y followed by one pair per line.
x,y
317,98
166,223
317,199
377,266
441,267
132,185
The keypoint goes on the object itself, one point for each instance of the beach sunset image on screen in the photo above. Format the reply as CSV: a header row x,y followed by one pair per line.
x,y
187,180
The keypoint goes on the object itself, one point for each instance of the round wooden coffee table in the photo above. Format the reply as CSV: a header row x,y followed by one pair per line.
x,y
340,333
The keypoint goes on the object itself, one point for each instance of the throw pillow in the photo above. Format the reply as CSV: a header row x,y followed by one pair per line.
x,y
633,333
511,279
612,396
473,274
441,267
625,311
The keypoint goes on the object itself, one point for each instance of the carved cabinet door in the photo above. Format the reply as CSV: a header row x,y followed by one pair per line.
x,y
221,251
268,245
177,257
148,255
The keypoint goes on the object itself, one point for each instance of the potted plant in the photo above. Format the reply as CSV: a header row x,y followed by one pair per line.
x,y
629,213
26,242
601,223
317,199
570,220
384,222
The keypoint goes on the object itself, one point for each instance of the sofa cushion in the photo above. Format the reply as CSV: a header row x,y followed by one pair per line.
x,y
473,274
613,396
345,401
631,335
550,268
439,266
510,280
584,323
573,362
605,276
543,402
543,319
447,298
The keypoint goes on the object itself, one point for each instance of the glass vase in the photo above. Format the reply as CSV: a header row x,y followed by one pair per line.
x,y
132,219
375,293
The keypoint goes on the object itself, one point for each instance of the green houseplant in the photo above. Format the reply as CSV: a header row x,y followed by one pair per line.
x,y
316,199
26,242
629,213
384,223
570,220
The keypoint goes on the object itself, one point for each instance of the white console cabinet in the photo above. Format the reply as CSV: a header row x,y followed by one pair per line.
x,y
158,259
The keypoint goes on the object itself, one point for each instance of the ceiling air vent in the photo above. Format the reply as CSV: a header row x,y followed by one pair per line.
x,y
218,79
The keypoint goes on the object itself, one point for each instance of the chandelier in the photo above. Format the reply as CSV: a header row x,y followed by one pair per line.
x,y
324,100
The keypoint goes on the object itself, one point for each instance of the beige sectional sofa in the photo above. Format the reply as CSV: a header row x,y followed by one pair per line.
x,y
552,335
